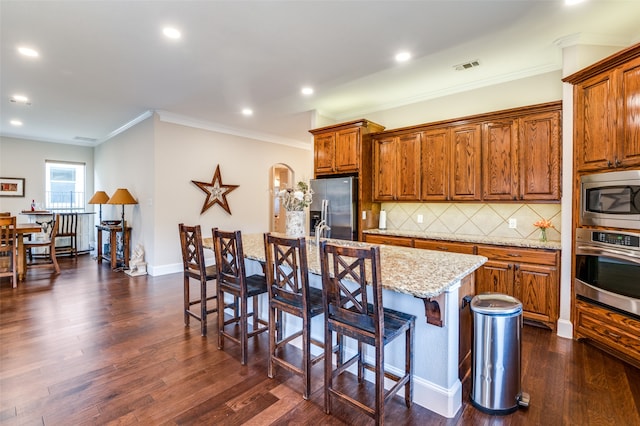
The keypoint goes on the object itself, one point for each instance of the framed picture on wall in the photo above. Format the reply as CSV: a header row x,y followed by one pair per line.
x,y
11,187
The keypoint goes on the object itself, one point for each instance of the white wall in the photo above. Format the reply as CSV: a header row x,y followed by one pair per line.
x,y
127,161
184,154
23,158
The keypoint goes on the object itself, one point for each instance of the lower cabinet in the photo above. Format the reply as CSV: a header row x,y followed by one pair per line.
x,y
389,240
609,330
530,275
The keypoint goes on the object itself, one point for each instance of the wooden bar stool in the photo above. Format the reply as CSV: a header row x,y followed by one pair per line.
x,y
233,280
195,268
289,292
349,313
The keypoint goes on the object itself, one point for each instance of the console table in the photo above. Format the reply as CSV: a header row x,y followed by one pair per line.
x,y
112,256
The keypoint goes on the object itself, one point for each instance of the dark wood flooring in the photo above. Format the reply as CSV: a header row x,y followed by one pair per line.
x,y
92,346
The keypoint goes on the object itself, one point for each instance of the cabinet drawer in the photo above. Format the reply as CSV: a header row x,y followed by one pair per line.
x,y
389,240
609,328
519,255
452,247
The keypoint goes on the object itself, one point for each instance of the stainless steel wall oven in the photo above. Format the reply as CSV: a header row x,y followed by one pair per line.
x,y
608,269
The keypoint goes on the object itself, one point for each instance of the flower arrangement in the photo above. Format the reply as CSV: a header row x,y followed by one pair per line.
x,y
296,199
543,224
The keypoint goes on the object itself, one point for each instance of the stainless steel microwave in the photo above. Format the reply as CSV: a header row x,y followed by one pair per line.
x,y
611,199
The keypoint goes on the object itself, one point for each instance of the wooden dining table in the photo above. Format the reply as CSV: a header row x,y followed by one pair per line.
x,y
22,230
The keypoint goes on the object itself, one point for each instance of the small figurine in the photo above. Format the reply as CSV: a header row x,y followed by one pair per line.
x,y
137,265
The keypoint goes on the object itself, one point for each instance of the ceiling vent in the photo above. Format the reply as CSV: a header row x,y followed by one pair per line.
x,y
84,139
467,65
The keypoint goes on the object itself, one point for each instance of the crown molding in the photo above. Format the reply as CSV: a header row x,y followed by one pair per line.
x,y
169,117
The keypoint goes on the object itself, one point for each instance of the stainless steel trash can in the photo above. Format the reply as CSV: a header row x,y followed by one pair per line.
x,y
495,369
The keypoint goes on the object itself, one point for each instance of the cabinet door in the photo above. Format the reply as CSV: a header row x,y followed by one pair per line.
x,y
540,156
495,276
500,160
535,287
435,165
348,150
465,163
594,125
324,152
629,133
408,167
384,169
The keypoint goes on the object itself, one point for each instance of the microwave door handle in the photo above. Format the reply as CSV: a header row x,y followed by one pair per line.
x,y
616,254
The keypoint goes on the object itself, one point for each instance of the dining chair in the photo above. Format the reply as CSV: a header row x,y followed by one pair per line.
x,y
8,247
233,280
194,268
67,232
347,274
46,259
289,293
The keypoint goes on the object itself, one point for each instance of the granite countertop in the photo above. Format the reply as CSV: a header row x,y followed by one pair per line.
x,y
417,272
477,239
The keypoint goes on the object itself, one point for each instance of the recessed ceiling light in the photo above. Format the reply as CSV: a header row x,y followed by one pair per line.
x,y
403,56
26,51
171,32
247,111
572,2
16,122
20,99
307,91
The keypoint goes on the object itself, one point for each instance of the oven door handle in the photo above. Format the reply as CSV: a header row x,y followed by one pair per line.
x,y
616,254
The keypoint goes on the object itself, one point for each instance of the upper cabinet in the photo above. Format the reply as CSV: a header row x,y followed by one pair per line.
x,y
540,156
396,167
465,162
435,164
340,149
512,155
606,114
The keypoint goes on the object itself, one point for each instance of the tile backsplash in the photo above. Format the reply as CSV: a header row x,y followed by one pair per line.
x,y
483,219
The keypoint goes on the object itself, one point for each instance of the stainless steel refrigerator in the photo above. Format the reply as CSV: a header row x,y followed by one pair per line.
x,y
335,201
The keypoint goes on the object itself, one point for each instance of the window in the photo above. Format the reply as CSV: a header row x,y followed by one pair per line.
x,y
65,186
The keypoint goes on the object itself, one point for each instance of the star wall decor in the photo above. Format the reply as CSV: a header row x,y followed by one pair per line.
x,y
216,192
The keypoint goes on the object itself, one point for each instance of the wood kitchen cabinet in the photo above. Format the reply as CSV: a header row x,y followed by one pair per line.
x,y
339,149
435,165
540,156
521,158
465,163
606,113
450,246
609,330
388,240
500,175
529,275
396,167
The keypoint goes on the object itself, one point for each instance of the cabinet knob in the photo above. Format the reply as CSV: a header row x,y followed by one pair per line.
x,y
609,163
617,162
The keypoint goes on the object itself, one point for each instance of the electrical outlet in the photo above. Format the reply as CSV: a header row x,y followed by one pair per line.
x,y
513,223
420,218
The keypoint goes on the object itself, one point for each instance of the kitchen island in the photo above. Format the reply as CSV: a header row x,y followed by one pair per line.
x,y
412,280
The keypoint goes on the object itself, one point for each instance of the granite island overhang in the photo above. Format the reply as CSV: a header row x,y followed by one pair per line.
x,y
412,279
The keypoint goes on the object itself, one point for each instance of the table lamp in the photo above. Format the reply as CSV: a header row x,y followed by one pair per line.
x,y
100,197
122,196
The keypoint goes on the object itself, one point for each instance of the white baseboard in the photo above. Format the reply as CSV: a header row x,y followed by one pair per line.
x,y
565,329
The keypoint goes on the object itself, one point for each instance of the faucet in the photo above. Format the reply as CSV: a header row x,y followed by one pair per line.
x,y
321,227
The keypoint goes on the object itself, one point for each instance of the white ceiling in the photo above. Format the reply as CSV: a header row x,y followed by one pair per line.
x,y
103,64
